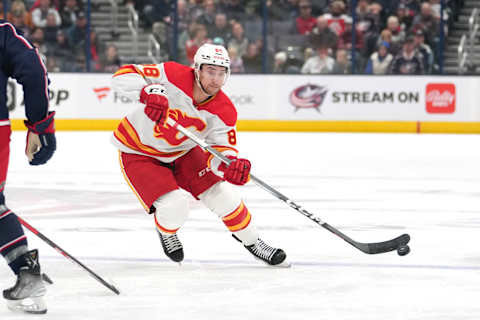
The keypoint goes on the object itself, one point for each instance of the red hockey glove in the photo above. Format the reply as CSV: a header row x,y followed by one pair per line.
x,y
154,96
237,172
41,142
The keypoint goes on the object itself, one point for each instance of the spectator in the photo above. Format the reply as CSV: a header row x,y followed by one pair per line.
x,y
39,15
68,13
52,65
345,38
236,62
80,64
324,34
51,29
238,40
199,38
280,62
38,39
38,3
182,42
321,63
184,16
398,35
425,50
336,16
405,16
305,22
77,33
221,28
371,26
426,21
252,60
20,17
208,16
160,32
408,61
362,10
342,63
96,49
62,51
379,62
109,60
195,9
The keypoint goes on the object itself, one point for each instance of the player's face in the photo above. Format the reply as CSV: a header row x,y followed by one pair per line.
x,y
212,78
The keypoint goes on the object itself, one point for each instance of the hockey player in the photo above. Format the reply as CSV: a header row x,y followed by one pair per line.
x,y
157,160
20,60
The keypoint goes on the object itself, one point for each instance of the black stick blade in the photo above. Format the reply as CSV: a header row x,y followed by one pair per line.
x,y
385,246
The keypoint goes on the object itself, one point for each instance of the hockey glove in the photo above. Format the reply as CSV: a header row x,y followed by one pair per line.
x,y
237,172
154,96
41,142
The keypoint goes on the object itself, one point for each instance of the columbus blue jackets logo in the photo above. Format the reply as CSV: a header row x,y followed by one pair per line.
x,y
308,96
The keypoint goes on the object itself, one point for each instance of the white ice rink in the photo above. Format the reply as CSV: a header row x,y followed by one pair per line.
x,y
372,187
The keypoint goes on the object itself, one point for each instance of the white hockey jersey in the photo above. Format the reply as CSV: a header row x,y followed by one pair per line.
x,y
212,120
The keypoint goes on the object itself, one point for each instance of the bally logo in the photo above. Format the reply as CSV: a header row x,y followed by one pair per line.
x,y
440,98
101,92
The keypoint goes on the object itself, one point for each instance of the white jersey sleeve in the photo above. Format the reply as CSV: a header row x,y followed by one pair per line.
x,y
129,80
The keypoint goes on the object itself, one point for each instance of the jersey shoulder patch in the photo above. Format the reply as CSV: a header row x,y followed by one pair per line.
x,y
180,76
222,107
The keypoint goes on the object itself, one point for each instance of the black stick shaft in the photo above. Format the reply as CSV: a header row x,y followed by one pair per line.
x,y
370,248
67,255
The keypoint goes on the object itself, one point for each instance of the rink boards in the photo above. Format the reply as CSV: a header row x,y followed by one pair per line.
x,y
421,104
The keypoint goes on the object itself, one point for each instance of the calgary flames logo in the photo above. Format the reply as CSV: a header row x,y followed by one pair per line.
x,y
172,135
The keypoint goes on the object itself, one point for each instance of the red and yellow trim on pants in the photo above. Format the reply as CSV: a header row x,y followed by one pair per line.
x,y
239,219
127,179
162,229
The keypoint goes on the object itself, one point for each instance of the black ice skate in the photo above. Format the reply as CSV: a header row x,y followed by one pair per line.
x,y
265,253
27,293
171,246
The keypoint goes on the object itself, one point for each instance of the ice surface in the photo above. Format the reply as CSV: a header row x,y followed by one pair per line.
x,y
372,187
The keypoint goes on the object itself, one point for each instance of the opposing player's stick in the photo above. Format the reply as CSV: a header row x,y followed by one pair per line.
x,y
67,255
370,248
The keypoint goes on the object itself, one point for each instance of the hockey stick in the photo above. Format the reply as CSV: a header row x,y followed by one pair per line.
x,y
370,248
67,255
399,243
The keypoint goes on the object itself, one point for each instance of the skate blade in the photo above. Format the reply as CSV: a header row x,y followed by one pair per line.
x,y
35,305
284,264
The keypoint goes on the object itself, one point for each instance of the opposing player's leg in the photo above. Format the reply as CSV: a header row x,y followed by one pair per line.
x,y
154,185
225,202
26,295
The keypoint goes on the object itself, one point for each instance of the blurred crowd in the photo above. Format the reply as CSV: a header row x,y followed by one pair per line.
x,y
311,36
58,29
302,36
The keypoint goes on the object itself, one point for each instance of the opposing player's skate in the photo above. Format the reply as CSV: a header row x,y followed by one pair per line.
x,y
171,246
267,254
27,293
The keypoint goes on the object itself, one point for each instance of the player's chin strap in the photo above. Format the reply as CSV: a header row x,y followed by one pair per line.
x,y
200,85
370,248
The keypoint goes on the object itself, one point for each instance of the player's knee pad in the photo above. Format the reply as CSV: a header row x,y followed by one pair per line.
x,y
221,199
171,211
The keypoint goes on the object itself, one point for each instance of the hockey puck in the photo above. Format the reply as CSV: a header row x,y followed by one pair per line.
x,y
403,250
